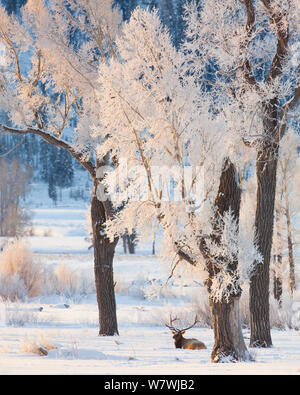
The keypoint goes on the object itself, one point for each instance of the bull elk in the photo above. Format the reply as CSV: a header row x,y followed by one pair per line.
x,y
182,342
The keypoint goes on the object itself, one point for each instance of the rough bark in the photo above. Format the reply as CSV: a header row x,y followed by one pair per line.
x,y
277,287
292,278
129,242
266,169
277,259
229,343
124,244
104,251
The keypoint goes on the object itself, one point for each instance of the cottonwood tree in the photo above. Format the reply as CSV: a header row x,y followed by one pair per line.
x,y
176,168
129,242
287,209
47,84
277,249
249,56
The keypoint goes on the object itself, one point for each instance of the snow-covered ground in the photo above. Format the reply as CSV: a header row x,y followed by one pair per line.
x,y
69,323
138,350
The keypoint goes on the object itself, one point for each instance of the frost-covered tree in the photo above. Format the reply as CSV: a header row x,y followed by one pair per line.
x,y
176,168
249,61
288,207
277,249
48,81
170,12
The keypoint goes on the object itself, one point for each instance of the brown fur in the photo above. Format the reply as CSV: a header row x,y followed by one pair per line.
x,y
190,344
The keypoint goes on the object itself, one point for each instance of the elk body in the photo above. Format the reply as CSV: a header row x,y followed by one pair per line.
x,y
182,342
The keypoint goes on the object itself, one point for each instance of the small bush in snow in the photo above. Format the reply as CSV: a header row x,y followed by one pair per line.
x,y
46,342
18,316
20,275
67,281
71,283
47,233
41,346
12,287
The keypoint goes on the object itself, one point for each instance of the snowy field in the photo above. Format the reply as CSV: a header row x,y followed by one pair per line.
x,y
67,324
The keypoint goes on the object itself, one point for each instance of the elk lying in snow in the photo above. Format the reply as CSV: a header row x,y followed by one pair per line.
x,y
180,341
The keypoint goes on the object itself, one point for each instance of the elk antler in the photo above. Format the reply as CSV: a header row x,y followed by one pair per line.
x,y
172,328
191,326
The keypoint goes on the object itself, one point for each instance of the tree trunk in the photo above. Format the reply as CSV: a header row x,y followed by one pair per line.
x,y
131,240
266,169
277,287
292,279
229,342
124,238
153,245
277,280
104,251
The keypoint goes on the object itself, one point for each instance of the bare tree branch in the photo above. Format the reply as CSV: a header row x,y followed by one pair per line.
x,y
286,108
282,32
49,138
246,67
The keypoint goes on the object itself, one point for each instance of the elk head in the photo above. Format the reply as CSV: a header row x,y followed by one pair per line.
x,y
180,341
